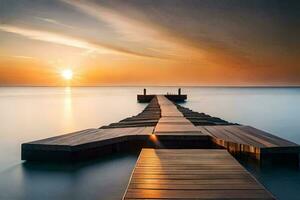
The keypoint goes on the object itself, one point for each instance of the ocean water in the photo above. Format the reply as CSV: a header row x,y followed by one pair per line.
x,y
31,113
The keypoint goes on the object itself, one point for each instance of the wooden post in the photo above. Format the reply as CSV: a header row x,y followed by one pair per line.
x,y
145,91
179,91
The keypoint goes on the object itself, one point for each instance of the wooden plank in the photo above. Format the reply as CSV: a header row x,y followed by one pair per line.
x,y
261,140
162,127
172,122
93,135
168,108
167,174
276,140
229,135
238,138
196,194
223,186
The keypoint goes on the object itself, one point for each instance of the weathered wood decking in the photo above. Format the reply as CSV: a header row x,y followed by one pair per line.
x,y
172,121
191,174
85,144
242,139
247,139
90,143
162,124
148,117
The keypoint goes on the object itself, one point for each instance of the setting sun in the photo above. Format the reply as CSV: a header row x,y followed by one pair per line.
x,y
67,74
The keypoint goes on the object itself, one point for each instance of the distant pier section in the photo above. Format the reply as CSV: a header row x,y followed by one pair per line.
x,y
146,98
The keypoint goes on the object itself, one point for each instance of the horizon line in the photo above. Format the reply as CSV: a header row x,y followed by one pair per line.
x,y
204,86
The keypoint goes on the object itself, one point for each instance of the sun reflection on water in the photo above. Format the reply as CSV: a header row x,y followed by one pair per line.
x,y
68,109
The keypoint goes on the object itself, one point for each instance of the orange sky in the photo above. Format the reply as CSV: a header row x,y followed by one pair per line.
x,y
144,43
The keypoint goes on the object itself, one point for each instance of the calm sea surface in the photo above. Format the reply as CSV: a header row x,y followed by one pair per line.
x,y
31,113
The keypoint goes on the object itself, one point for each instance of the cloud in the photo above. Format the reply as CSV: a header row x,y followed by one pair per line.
x,y
47,36
19,57
148,36
177,42
52,21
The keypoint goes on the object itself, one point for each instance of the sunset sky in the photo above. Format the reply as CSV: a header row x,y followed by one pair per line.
x,y
150,42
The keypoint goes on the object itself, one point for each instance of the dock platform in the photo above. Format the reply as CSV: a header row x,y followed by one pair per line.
x,y
146,98
191,174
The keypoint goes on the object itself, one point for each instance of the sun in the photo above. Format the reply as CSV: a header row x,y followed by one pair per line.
x,y
67,74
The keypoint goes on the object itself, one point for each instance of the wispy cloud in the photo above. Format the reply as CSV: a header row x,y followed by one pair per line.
x,y
52,37
19,57
55,22
47,36
148,36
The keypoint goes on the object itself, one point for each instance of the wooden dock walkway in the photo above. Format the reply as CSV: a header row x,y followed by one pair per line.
x,y
243,139
191,174
162,124
172,121
238,138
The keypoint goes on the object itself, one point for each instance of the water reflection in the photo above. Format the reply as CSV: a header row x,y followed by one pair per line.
x,y
282,181
82,180
68,110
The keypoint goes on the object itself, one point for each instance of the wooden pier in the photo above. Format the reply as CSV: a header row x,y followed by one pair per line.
x,y
163,124
191,174
189,158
